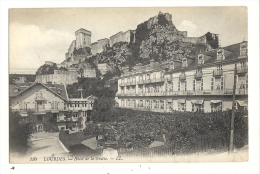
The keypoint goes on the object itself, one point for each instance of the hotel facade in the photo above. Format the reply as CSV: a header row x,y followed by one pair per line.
x,y
200,82
44,103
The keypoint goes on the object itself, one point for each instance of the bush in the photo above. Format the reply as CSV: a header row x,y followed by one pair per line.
x,y
19,133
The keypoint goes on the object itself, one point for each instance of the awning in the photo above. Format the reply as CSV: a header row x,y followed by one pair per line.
x,y
24,115
242,103
182,101
216,101
197,102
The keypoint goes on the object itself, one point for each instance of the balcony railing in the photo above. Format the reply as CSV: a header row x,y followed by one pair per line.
x,y
198,75
132,83
189,92
217,73
147,81
242,70
139,82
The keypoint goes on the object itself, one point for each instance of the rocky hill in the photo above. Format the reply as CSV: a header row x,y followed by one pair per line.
x,y
158,39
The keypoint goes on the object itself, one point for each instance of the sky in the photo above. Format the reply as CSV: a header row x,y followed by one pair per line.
x,y
39,35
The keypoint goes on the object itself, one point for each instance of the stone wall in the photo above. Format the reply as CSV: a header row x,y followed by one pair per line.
x,y
99,46
59,77
121,37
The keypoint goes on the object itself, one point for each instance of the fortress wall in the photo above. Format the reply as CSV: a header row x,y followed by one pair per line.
x,y
201,39
115,38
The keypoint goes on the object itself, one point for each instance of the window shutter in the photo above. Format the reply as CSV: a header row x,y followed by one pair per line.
x,y
201,84
194,84
222,82
212,83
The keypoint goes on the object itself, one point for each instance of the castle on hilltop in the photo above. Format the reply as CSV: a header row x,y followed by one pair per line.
x,y
80,49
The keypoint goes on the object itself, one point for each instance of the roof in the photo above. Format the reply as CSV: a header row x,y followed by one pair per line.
x,y
54,88
231,52
91,97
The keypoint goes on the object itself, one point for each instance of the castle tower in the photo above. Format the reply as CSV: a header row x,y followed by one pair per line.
x,y
83,38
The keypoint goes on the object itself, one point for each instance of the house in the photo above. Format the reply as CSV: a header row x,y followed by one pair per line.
x,y
43,103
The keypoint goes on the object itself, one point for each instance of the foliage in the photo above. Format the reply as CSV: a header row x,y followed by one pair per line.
x,y
46,69
103,109
138,129
212,42
19,133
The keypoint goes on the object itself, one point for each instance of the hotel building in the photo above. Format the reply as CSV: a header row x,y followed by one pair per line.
x,y
200,82
43,103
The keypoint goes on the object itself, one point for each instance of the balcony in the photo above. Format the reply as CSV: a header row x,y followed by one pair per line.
x,y
182,77
132,83
198,75
39,111
121,84
242,70
140,82
127,83
147,81
169,79
157,80
39,98
217,73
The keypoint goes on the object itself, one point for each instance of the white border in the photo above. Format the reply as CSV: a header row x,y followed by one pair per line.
x,y
252,166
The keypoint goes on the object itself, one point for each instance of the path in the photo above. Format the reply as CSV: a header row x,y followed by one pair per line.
x,y
45,144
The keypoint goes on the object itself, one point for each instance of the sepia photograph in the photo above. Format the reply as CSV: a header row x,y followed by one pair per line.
x,y
128,85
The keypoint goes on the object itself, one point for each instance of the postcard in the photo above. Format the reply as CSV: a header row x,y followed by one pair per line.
x,y
120,85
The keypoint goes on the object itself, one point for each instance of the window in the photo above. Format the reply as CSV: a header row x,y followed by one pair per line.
x,y
162,104
181,106
54,105
185,86
179,85
200,108
192,107
216,107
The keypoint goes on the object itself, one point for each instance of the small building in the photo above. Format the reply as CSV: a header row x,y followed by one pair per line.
x,y
104,68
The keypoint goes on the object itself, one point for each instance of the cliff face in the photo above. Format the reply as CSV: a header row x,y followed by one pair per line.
x,y
158,39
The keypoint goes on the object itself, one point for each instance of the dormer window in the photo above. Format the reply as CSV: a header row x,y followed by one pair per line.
x,y
200,59
184,63
243,48
220,54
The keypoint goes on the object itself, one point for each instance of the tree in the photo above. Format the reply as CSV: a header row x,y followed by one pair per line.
x,y
19,133
103,109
